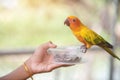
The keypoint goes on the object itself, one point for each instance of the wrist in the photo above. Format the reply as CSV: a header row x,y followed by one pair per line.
x,y
27,70
28,65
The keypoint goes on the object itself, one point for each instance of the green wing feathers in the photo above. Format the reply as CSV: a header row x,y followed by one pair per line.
x,y
106,46
95,39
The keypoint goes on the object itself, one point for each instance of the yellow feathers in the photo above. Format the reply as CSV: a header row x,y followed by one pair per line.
x,y
87,36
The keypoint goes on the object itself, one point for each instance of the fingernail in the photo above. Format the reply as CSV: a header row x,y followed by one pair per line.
x,y
50,42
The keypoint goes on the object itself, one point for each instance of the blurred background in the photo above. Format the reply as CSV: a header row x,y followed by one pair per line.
x,y
25,24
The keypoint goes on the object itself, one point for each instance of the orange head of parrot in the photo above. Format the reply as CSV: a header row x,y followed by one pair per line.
x,y
73,22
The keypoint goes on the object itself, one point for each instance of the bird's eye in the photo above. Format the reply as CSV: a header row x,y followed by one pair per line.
x,y
74,20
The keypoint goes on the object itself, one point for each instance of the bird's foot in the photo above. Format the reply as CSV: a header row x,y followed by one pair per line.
x,y
83,48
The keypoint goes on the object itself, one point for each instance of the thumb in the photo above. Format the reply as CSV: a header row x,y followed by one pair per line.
x,y
48,45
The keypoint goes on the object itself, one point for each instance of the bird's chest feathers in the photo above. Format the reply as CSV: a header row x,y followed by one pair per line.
x,y
79,36
82,34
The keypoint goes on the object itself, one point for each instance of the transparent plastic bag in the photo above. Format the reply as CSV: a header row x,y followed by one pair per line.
x,y
67,55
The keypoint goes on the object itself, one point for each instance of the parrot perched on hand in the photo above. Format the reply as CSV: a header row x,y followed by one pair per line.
x,y
87,36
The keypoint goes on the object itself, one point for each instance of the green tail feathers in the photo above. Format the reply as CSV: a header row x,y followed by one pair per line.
x,y
110,52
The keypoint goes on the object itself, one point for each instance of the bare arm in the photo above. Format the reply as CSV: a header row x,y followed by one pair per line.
x,y
39,62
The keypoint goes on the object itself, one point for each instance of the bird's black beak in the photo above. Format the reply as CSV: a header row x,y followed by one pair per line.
x,y
67,22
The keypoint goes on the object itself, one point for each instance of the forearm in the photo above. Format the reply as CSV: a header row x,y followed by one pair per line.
x,y
18,74
39,62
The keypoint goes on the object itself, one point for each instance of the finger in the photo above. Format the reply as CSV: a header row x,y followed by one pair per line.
x,y
51,45
54,66
48,45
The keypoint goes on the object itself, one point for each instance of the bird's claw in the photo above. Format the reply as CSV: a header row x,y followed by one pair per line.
x,y
83,48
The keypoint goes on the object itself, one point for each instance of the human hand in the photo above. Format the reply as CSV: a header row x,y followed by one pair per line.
x,y
41,61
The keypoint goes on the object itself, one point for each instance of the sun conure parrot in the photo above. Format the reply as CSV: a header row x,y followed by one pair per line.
x,y
87,36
